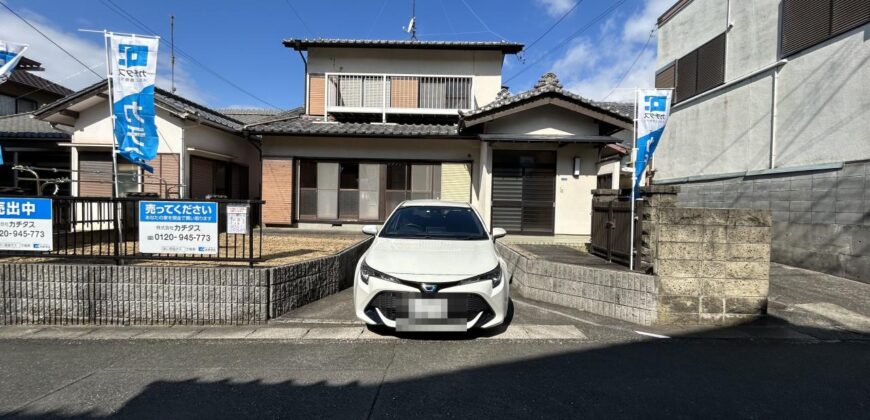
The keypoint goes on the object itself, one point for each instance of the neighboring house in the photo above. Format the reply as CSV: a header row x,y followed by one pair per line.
x,y
772,110
24,140
387,121
201,152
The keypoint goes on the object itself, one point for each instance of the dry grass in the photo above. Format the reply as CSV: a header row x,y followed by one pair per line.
x,y
278,249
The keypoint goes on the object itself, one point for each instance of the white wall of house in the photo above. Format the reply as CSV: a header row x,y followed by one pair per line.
x,y
822,110
484,66
93,131
548,119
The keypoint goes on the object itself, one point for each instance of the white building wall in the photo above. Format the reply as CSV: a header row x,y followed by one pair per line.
x,y
95,127
219,145
822,109
484,66
697,23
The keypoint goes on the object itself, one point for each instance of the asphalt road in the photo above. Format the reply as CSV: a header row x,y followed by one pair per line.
x,y
677,378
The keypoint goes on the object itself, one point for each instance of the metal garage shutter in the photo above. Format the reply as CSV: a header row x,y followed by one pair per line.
x,y
201,177
456,182
91,183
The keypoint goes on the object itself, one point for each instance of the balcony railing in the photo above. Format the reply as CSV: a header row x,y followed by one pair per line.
x,y
397,94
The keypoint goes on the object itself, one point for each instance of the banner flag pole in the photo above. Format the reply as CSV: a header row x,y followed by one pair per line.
x,y
633,182
111,101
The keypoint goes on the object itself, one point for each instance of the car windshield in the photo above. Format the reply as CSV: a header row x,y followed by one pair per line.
x,y
434,222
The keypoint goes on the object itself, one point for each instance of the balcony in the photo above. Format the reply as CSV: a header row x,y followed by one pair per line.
x,y
397,94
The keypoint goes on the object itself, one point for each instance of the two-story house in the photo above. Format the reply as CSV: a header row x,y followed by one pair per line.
x,y
386,121
772,110
25,140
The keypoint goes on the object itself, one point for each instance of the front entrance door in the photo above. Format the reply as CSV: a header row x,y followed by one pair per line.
x,y
524,191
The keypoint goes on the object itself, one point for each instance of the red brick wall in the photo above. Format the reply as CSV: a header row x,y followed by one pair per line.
x,y
278,191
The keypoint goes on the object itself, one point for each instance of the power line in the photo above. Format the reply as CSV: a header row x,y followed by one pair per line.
x,y
563,42
132,19
50,40
305,25
633,63
556,23
473,13
378,17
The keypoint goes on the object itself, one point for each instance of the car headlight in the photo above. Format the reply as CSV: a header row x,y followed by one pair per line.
x,y
365,272
493,276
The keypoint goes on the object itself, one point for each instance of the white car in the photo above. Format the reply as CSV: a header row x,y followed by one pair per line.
x,y
432,267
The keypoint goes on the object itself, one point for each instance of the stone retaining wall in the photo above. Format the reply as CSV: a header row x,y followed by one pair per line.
x,y
66,294
617,294
295,285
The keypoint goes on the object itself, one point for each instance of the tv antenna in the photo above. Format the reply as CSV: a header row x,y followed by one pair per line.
x,y
172,49
412,24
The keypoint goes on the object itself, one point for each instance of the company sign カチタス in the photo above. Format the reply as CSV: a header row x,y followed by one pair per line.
x,y
653,106
134,67
25,224
178,227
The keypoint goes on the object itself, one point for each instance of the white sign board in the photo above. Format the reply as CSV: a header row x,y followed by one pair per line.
x,y
237,218
178,227
25,224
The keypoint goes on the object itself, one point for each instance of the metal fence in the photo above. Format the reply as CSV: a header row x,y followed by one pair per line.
x,y
108,228
611,230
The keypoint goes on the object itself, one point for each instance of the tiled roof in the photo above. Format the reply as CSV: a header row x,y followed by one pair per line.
x,y
549,85
304,44
295,123
24,126
31,80
249,115
179,103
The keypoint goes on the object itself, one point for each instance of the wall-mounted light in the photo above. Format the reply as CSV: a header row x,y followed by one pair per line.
x,y
576,166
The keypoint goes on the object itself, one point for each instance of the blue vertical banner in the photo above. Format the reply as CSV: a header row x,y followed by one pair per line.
x,y
133,61
653,107
10,55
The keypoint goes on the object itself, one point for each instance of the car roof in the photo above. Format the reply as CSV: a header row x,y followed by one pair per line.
x,y
435,203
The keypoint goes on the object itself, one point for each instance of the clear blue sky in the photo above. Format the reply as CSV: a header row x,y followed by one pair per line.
x,y
241,40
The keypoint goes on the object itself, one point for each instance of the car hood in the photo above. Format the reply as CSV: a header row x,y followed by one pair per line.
x,y
431,259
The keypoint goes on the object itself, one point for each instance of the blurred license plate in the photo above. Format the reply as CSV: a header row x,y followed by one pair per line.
x,y
427,314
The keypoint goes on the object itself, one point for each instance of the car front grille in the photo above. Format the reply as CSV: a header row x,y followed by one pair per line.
x,y
468,304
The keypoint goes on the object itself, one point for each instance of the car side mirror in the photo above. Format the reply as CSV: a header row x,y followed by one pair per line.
x,y
498,233
370,229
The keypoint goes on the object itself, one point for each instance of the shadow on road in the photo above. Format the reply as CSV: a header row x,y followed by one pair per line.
x,y
680,378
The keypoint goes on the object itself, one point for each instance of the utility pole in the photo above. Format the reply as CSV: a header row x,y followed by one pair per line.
x,y
172,48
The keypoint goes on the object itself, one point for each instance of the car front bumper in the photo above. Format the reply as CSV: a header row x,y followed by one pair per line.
x,y
479,304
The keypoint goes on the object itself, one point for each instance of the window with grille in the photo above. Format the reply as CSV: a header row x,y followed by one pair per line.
x,y
696,72
806,23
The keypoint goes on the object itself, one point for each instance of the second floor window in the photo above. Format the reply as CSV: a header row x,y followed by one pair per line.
x,y
10,105
806,23
696,72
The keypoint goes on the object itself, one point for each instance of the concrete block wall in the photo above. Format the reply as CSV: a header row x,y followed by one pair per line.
x,y
298,284
66,294
821,219
617,294
712,265
69,294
